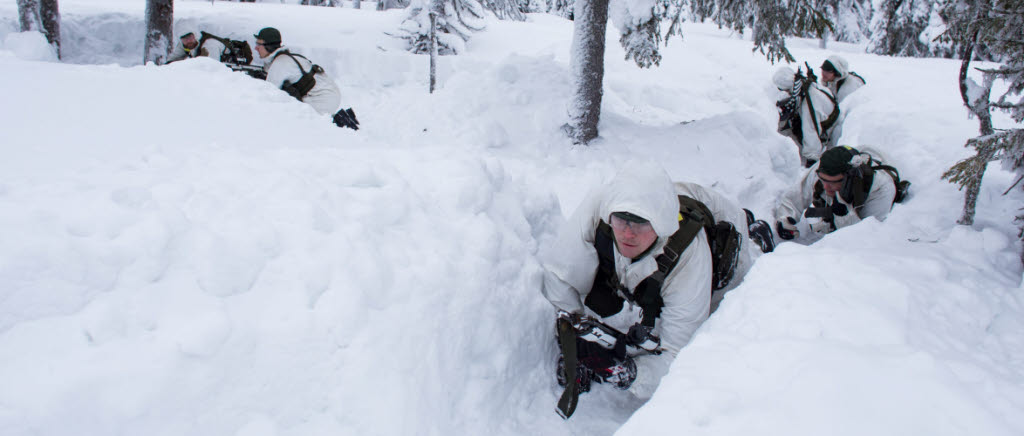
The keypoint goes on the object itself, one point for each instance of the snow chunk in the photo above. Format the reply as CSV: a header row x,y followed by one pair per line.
x,y
30,46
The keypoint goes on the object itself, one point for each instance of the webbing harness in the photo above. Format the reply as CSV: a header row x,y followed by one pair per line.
x,y
607,294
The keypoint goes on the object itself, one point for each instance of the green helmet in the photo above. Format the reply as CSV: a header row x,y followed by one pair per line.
x,y
269,35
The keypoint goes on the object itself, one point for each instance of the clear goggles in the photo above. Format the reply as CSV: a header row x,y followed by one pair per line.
x,y
620,221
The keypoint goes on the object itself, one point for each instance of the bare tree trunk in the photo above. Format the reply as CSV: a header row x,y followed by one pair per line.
x,y
590,24
823,44
433,45
49,14
159,30
356,4
28,15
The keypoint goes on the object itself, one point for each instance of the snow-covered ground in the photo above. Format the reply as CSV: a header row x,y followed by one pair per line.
x,y
186,250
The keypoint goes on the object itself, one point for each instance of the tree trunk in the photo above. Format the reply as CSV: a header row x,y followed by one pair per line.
x,y
28,15
436,8
49,14
589,26
823,44
356,4
979,108
159,30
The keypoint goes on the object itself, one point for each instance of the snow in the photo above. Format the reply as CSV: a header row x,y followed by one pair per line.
x,y
190,251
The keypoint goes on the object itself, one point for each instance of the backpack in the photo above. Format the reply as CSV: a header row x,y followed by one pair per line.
x,y
300,88
235,52
607,294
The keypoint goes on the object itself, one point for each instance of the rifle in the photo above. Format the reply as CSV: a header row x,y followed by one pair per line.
x,y
253,71
592,330
810,73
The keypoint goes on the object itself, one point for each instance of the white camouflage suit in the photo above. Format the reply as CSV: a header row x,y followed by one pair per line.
x,y
845,82
324,97
878,203
210,48
820,98
571,262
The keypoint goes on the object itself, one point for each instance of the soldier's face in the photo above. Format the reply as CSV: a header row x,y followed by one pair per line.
x,y
261,49
189,42
828,76
632,239
832,184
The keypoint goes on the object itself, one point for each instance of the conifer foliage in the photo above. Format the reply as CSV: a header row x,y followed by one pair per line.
x,y
997,27
641,36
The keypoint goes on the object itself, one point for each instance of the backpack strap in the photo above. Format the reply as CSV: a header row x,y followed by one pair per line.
x,y
292,55
827,123
859,77
901,185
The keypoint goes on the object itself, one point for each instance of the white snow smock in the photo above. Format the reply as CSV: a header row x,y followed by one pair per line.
x,y
878,203
845,83
324,97
571,262
812,148
211,48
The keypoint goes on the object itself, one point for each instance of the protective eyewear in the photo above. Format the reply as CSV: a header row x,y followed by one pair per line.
x,y
620,221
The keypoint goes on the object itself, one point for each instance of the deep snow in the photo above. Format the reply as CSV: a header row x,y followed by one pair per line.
x,y
190,251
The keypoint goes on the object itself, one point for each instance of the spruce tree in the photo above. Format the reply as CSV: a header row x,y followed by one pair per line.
x,y
997,27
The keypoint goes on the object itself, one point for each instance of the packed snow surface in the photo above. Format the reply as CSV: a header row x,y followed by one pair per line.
x,y
186,250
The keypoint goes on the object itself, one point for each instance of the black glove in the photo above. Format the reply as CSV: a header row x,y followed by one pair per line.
x,y
839,209
346,118
641,337
787,228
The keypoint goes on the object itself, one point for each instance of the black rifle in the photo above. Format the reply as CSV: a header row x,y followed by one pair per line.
x,y
253,71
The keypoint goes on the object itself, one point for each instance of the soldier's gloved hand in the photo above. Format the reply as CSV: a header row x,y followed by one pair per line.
x,y
821,226
839,209
786,228
640,336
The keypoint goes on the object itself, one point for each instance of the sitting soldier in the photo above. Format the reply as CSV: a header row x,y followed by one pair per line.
x,y
842,189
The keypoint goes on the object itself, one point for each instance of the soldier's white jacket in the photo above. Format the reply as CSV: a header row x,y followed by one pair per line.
x,y
812,148
878,203
324,97
571,262
845,82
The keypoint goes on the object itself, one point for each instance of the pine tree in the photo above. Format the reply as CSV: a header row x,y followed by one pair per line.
x,y
996,26
455,21
898,28
159,22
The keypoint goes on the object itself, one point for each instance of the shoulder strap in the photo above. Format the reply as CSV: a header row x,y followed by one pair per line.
x,y
291,55
834,115
858,76
901,186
